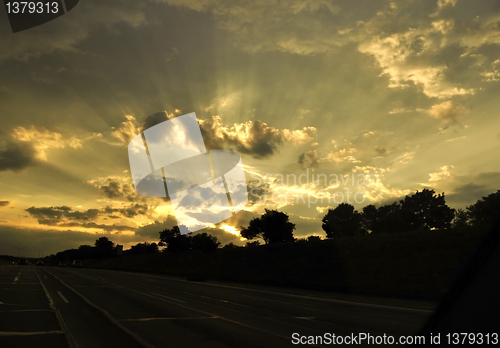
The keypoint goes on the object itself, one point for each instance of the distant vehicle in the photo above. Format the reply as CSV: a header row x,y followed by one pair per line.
x,y
39,263
23,262
62,264
77,264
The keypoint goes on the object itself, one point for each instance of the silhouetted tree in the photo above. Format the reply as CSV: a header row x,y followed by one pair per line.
x,y
388,219
174,240
67,255
313,239
143,248
104,247
485,211
426,210
204,242
230,245
85,252
369,218
273,227
252,244
461,219
342,221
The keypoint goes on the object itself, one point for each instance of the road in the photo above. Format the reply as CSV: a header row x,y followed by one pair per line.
x,y
65,307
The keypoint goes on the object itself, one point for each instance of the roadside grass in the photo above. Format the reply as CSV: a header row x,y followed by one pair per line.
x,y
4,262
418,265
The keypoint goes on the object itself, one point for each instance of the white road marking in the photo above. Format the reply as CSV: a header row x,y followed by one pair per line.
x,y
15,333
62,324
170,298
305,318
150,319
62,296
350,302
138,338
28,310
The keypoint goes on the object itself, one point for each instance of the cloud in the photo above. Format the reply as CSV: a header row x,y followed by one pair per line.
x,y
462,190
93,225
152,230
4,203
380,150
492,74
445,3
469,193
404,158
309,159
343,155
127,130
129,212
443,174
42,140
417,45
447,111
114,189
399,58
54,215
260,25
400,111
254,138
300,136
65,216
15,156
124,133
153,120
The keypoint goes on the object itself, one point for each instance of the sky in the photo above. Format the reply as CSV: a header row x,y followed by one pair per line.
x,y
381,98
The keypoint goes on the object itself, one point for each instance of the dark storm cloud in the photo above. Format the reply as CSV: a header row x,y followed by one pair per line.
x,y
464,190
116,190
152,230
256,139
153,120
4,203
67,217
54,215
16,156
130,211
469,193
113,189
257,193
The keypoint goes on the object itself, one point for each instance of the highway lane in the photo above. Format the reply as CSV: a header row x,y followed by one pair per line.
x,y
100,308
27,317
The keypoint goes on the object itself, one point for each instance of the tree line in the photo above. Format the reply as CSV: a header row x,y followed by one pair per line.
x,y
423,210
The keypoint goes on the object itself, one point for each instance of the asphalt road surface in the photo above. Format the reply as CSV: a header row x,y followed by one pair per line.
x,y
65,307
